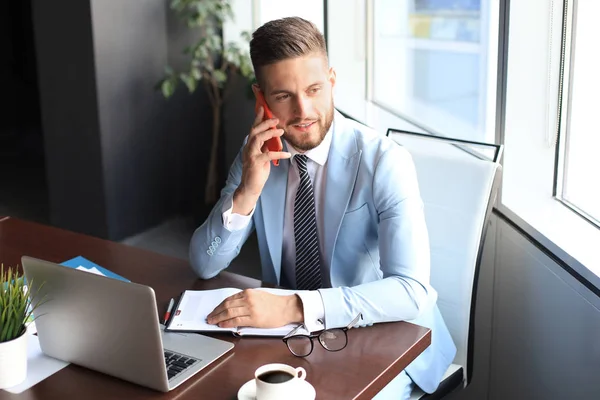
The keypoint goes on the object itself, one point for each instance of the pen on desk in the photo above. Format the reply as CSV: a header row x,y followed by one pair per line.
x,y
168,313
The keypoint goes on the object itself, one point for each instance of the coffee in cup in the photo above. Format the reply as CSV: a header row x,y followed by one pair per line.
x,y
278,381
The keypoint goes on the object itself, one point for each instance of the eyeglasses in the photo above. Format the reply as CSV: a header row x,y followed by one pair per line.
x,y
335,339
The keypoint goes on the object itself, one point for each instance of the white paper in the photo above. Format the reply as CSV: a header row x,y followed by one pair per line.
x,y
195,306
92,270
39,366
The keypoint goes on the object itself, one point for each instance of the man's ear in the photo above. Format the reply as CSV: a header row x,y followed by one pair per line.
x,y
255,88
332,77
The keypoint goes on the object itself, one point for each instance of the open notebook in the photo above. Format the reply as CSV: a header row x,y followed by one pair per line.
x,y
193,307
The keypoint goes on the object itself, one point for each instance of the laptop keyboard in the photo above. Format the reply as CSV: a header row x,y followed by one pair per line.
x,y
177,363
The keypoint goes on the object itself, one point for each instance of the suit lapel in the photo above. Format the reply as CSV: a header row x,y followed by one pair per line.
x,y
273,209
342,169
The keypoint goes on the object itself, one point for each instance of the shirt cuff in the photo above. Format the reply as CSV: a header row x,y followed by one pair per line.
x,y
231,221
314,310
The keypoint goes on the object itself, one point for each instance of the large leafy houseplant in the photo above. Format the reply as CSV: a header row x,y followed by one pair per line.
x,y
212,64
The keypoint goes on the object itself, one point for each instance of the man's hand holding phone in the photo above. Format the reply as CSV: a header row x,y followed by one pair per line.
x,y
256,162
273,144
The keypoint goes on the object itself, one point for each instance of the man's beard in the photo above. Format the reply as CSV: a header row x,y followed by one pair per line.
x,y
303,143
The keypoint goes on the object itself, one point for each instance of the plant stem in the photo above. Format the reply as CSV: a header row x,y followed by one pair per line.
x,y
208,85
210,192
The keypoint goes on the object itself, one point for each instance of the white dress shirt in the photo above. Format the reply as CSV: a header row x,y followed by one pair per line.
x,y
312,304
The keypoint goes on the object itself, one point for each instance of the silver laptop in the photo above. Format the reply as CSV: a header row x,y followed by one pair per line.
x,y
112,326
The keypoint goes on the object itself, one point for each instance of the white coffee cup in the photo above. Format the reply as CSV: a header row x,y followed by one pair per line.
x,y
278,381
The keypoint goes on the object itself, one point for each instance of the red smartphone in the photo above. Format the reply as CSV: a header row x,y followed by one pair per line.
x,y
273,144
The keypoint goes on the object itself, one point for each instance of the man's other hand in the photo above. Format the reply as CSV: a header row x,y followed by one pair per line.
x,y
257,309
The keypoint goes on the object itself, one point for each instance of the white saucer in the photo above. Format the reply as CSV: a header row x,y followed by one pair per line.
x,y
248,390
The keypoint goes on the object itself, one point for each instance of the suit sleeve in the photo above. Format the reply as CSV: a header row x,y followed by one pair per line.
x,y
404,291
213,246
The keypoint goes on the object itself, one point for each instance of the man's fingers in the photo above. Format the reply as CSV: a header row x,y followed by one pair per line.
x,y
261,138
275,155
229,302
264,126
245,320
235,309
238,295
255,145
259,116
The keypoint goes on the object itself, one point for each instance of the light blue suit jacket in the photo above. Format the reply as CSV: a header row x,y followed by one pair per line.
x,y
376,241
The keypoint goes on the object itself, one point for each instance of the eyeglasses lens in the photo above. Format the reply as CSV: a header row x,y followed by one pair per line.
x,y
333,339
300,345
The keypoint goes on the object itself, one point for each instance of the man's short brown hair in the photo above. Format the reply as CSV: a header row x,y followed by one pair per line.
x,y
285,38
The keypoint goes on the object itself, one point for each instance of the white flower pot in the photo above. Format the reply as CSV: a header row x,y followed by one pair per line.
x,y
13,361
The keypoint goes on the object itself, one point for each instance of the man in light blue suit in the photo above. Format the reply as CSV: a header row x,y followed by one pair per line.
x,y
340,219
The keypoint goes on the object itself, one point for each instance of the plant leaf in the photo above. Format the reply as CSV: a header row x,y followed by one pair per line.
x,y
246,36
189,81
16,304
220,77
208,52
196,73
167,88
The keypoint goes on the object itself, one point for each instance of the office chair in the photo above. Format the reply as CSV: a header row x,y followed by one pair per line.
x,y
458,180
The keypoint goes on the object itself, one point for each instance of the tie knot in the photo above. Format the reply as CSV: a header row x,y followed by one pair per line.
x,y
301,161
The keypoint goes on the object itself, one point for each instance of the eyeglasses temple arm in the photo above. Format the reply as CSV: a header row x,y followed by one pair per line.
x,y
354,321
293,331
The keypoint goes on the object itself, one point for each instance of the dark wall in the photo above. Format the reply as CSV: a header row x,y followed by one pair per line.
x,y
17,67
238,116
190,115
70,121
533,317
23,191
5,55
152,148
121,158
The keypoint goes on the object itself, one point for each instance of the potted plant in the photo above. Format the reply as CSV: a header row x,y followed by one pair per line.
x,y
15,312
212,65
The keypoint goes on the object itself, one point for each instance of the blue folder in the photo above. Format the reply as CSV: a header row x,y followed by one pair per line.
x,y
85,263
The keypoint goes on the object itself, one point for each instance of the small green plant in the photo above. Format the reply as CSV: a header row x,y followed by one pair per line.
x,y
212,64
15,305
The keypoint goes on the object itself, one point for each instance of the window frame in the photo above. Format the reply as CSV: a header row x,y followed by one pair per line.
x,y
565,106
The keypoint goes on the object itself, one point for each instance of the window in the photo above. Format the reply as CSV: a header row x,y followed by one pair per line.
x,y
551,90
434,63
579,164
311,10
250,14
347,47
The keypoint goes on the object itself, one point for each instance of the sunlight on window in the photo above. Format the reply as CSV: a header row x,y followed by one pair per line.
x,y
582,142
311,10
433,61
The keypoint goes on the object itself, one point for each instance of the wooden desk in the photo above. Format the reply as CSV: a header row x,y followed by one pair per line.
x,y
372,358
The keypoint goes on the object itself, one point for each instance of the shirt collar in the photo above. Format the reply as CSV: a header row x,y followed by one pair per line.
x,y
318,154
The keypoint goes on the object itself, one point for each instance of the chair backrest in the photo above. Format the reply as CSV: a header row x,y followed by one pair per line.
x,y
458,181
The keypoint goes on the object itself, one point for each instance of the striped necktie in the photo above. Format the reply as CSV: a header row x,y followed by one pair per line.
x,y
308,269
